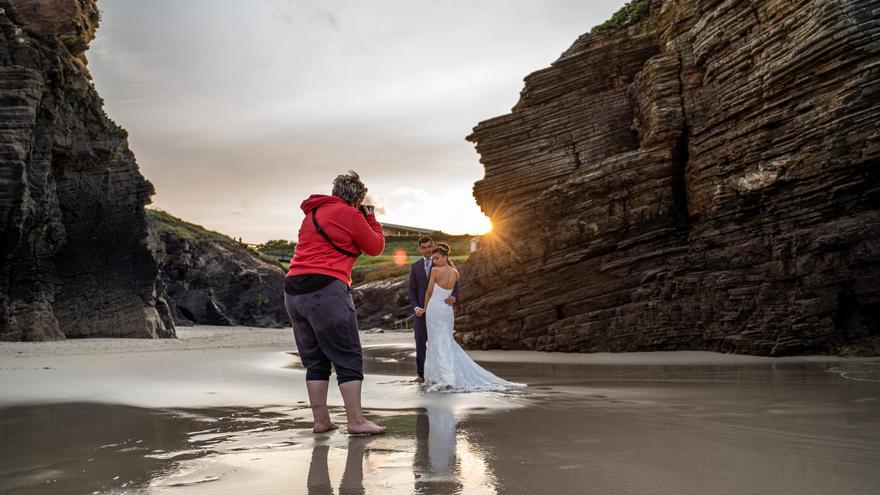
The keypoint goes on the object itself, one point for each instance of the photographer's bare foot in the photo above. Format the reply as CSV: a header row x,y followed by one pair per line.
x,y
321,427
365,428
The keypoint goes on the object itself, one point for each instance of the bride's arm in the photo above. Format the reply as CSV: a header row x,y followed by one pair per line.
x,y
430,289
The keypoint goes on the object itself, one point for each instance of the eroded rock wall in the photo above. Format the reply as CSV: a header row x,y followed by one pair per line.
x,y
217,282
72,228
383,304
708,178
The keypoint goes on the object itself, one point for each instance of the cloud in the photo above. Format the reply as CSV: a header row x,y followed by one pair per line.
x,y
378,202
419,194
238,112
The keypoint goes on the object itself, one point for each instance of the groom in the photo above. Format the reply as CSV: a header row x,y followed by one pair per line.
x,y
419,273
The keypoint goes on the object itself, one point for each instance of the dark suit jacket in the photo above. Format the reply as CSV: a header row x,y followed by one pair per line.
x,y
418,284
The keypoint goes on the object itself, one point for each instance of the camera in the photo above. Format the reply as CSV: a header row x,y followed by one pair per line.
x,y
367,209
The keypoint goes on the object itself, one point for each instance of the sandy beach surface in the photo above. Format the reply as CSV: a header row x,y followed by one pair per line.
x,y
223,410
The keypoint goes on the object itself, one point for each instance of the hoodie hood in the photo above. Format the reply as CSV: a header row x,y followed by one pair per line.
x,y
318,200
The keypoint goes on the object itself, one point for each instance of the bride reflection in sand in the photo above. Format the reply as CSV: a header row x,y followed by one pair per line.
x,y
434,462
445,460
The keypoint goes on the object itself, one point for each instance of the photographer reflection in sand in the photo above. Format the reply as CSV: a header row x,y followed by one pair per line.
x,y
434,463
434,466
318,481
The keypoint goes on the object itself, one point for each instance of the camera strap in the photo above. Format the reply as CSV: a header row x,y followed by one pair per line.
x,y
327,237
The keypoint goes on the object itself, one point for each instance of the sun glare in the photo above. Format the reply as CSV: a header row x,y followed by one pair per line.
x,y
399,257
465,220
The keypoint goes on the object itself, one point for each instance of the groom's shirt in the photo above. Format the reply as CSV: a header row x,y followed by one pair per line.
x,y
418,286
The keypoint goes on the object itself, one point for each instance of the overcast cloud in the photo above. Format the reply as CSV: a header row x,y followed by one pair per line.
x,y
237,111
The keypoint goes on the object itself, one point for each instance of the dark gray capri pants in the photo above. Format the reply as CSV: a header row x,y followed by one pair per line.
x,y
326,331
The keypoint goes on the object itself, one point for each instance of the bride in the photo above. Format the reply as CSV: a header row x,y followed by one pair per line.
x,y
447,367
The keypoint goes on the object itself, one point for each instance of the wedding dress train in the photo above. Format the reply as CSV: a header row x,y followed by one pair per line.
x,y
447,367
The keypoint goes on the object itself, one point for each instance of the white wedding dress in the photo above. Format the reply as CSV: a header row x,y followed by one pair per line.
x,y
447,367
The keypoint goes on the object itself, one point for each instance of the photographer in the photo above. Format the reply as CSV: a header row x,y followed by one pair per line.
x,y
317,294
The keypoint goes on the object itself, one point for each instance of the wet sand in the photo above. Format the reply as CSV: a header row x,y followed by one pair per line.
x,y
223,411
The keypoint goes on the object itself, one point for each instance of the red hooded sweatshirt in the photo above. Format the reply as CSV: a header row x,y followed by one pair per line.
x,y
347,226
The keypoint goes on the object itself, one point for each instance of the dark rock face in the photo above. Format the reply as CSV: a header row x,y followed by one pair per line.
x,y
381,303
708,178
211,282
72,229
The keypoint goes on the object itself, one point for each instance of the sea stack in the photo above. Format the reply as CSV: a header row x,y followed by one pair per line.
x,y
73,234
704,178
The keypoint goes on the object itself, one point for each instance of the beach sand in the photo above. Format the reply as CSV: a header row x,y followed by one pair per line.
x,y
223,411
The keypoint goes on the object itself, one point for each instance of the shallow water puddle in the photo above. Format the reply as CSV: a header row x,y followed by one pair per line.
x,y
586,424
244,451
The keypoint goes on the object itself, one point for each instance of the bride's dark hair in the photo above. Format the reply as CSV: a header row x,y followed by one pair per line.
x,y
445,250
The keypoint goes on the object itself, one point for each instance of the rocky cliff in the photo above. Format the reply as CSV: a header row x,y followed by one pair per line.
x,y
707,178
75,262
210,279
382,303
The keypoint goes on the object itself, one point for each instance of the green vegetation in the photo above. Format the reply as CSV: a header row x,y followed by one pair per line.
x,y
631,13
366,269
381,270
268,259
378,271
409,243
261,301
395,424
279,246
869,347
460,244
372,268
160,221
95,16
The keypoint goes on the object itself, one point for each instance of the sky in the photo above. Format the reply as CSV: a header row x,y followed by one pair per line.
x,y
237,111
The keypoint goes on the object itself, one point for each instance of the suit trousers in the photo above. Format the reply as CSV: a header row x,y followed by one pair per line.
x,y
420,325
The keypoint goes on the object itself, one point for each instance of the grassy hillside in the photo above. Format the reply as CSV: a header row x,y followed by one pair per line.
x,y
380,268
160,221
367,268
459,244
409,244
371,268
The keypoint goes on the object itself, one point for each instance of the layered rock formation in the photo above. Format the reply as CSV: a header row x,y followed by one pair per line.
x,y
708,178
72,229
212,280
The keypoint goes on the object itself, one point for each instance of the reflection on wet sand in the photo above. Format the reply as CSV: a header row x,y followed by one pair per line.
x,y
741,426
436,461
318,481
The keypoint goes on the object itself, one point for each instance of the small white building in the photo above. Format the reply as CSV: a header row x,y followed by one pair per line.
x,y
475,243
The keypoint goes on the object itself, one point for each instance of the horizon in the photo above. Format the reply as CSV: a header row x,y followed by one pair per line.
x,y
236,116
381,222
